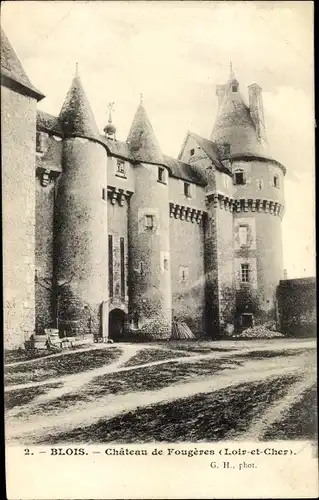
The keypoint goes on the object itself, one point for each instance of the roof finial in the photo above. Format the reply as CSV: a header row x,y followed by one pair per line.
x,y
110,108
231,71
76,69
141,99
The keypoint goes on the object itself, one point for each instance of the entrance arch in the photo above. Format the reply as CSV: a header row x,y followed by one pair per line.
x,y
116,324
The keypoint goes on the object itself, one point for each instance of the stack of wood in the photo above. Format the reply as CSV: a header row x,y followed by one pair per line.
x,y
180,331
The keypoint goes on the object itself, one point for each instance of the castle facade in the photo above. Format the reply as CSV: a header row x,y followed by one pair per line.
x,y
114,237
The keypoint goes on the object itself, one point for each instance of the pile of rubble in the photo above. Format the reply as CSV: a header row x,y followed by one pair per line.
x,y
259,332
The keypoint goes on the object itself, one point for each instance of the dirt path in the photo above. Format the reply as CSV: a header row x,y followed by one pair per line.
x,y
276,411
110,406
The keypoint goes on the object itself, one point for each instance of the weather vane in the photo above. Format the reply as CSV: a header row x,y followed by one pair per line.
x,y
141,99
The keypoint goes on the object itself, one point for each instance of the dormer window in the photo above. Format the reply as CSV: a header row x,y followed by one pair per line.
x,y
120,168
41,142
234,87
239,177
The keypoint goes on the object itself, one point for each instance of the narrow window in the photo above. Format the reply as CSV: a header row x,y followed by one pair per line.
x,y
234,87
239,178
104,194
165,264
183,273
122,267
187,190
276,181
110,265
120,168
243,235
149,222
259,184
161,174
192,152
245,273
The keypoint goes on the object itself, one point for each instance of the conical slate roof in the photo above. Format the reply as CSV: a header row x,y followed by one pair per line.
x,y
234,124
142,140
12,71
76,117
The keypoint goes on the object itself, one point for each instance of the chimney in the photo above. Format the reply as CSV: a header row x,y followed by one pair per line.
x,y
220,92
257,110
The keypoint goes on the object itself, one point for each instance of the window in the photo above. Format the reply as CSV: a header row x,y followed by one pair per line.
x,y
165,264
234,87
183,274
245,273
149,222
225,180
104,194
120,168
239,177
110,265
187,190
276,181
161,174
192,152
259,184
122,267
243,235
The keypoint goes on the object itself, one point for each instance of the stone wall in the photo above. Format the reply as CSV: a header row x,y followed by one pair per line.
x,y
44,255
188,275
18,130
297,307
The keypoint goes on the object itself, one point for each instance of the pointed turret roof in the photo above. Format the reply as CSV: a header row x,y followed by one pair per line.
x,y
142,140
12,72
76,117
234,124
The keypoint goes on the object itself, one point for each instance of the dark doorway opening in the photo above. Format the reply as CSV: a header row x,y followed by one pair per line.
x,y
247,320
116,324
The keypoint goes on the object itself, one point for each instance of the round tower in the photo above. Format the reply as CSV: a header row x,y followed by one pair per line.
x,y
150,286
81,239
258,203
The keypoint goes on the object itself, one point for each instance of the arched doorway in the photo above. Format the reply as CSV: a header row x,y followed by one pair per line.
x,y
116,324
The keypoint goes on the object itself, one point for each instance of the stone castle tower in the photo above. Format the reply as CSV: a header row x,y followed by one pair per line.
x,y
116,237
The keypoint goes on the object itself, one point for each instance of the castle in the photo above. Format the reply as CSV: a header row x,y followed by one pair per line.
x,y
115,236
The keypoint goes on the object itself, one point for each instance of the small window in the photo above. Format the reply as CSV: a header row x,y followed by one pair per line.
x,y
165,264
104,194
226,149
149,222
259,184
243,235
41,142
245,273
187,190
276,181
239,178
234,87
120,168
161,174
183,274
192,152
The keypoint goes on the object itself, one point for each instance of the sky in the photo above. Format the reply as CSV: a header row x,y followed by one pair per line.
x,y
175,53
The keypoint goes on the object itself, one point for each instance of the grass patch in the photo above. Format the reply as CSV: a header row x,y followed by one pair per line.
x,y
20,397
18,355
270,354
205,417
68,364
299,422
148,355
150,378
